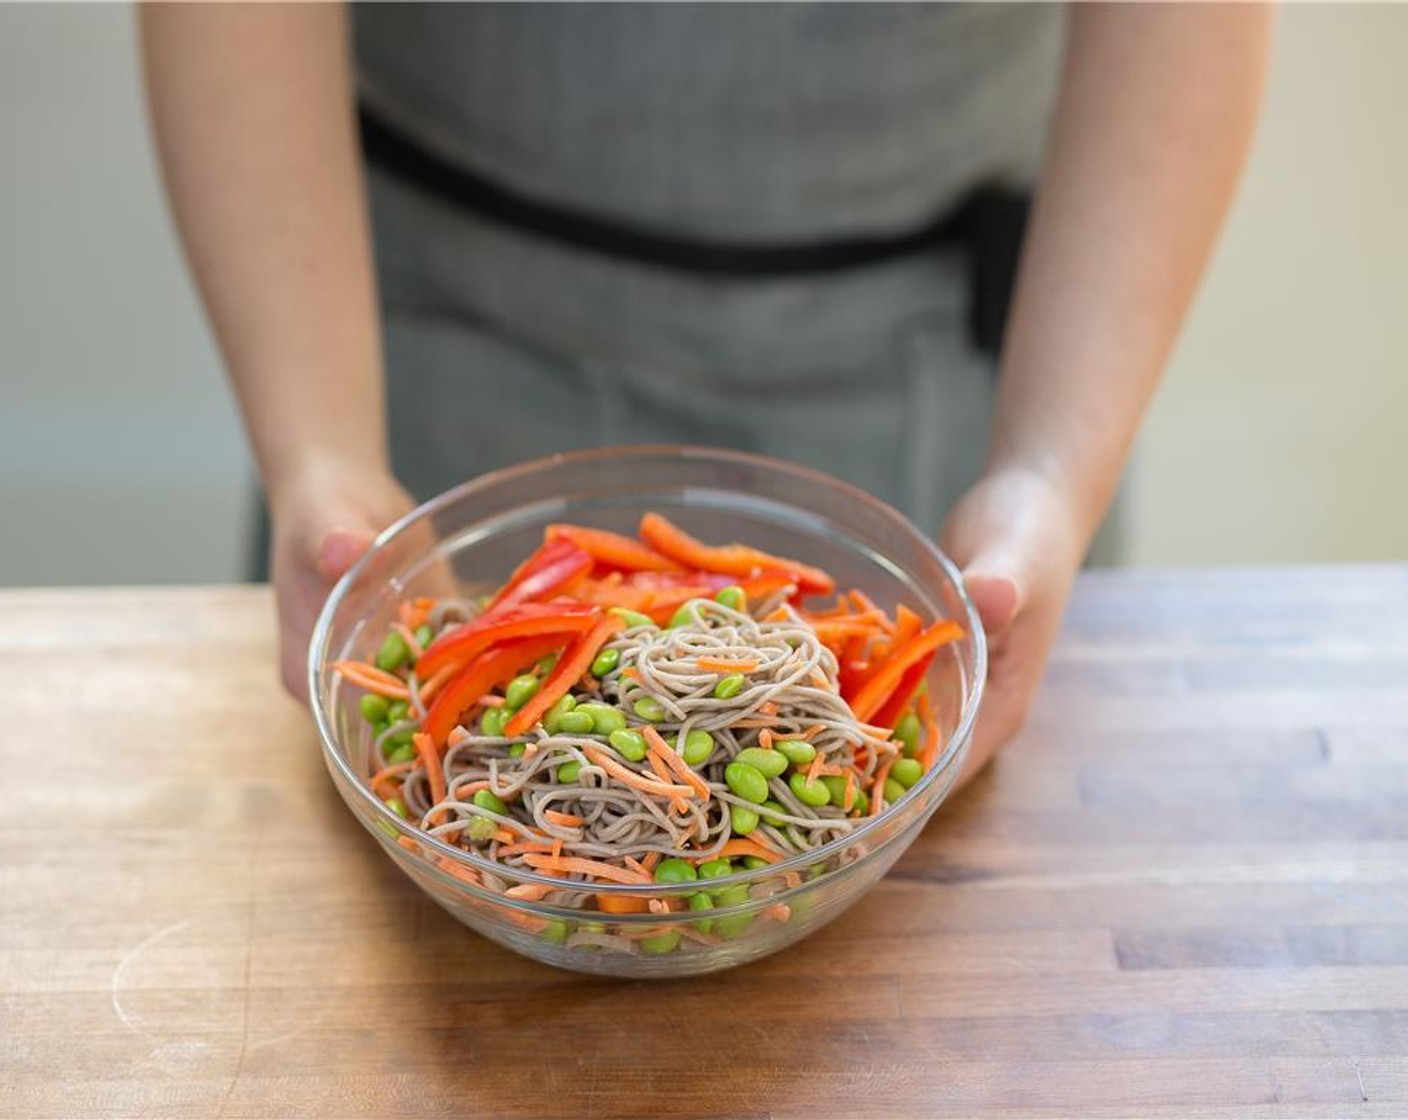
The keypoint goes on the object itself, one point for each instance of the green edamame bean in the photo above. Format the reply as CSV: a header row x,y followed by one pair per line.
x,y
480,830
733,925
649,709
675,871
397,806
893,791
404,753
716,869
373,707
552,718
736,895
664,943
546,664
517,750
629,743
697,748
425,634
768,763
814,794
393,652
568,771
862,804
730,686
744,820
401,738
397,710
491,724
907,771
605,719
554,933
519,691
633,618
576,723
698,902
797,751
836,788
389,829
752,863
486,799
747,781
605,661
770,810
733,597
908,731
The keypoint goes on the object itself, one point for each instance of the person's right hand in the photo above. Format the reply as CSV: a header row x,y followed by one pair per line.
x,y
323,520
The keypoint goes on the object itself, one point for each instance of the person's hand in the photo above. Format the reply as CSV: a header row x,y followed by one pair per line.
x,y
1019,546
323,520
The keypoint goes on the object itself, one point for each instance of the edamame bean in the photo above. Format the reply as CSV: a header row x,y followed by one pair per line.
x,y
752,863
397,710
519,691
675,871
836,787
402,737
552,718
554,933
480,830
404,753
908,731
814,794
862,804
373,707
686,614
486,799
605,661
605,719
397,806
893,791
733,597
733,925
797,751
649,709
629,743
730,686
576,723
697,748
546,664
768,763
747,781
633,618
698,902
491,723
744,820
716,869
664,943
567,772
424,634
517,750
735,895
907,771
393,652
770,809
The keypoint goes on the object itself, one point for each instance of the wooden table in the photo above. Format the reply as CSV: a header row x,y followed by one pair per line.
x,y
1183,892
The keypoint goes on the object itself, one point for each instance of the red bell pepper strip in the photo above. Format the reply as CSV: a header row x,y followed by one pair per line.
x,y
612,551
730,559
492,667
571,667
525,620
551,570
883,683
890,712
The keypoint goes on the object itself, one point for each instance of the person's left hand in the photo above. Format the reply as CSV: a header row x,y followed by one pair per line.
x,y
1018,543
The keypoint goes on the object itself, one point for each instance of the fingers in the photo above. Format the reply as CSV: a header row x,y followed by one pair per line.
x,y
997,597
339,550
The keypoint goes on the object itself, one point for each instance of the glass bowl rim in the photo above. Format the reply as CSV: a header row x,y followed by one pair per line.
x,y
322,630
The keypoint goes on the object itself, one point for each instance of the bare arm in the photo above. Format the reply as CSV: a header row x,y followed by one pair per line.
x,y
1154,119
252,105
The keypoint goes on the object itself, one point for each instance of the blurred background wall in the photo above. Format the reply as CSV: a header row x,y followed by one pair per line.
x,y
1279,435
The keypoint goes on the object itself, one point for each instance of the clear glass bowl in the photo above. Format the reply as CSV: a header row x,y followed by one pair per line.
x,y
473,536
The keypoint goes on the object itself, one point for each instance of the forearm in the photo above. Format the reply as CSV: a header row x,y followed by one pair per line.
x,y
1154,118
252,107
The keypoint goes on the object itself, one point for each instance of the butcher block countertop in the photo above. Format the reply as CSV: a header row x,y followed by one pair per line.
x,y
1183,892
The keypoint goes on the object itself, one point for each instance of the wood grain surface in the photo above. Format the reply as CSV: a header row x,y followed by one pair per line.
x,y
1183,892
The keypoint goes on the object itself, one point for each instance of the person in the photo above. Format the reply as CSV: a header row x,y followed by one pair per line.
x,y
728,224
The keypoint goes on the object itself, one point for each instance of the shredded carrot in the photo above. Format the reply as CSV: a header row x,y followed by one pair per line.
x,y
632,672
372,679
930,754
468,789
410,639
435,684
621,903
504,836
387,774
637,781
529,892
765,738
409,844
519,847
752,723
779,912
767,708
744,846
658,767
450,867
877,790
848,797
793,880
814,771
492,700
557,849
574,865
820,680
725,665
648,863
430,759
673,761
635,864
566,820
812,731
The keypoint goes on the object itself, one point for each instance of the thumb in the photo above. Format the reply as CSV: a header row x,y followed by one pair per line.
x,y
339,549
996,592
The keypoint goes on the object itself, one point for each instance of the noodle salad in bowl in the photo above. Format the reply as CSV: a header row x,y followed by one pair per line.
x,y
648,746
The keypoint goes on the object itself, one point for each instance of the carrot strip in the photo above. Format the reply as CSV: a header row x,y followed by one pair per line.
x,y
814,770
877,789
734,559
779,912
529,892
724,665
658,767
673,761
387,774
651,859
429,689
743,846
634,864
612,550
874,692
575,662
622,903
450,867
848,797
767,708
430,759
468,789
372,679
636,781
566,820
765,738
575,865
519,847
504,836
811,732
409,638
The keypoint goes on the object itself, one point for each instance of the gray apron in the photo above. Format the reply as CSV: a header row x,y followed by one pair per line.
x,y
754,123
